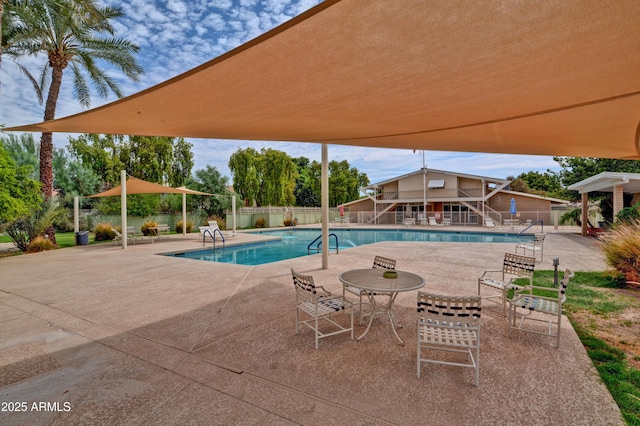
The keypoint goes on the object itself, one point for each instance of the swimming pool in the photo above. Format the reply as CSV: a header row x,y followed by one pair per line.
x,y
294,243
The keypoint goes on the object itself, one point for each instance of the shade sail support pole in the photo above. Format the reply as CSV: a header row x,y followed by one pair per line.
x,y
325,206
233,213
76,216
184,214
123,206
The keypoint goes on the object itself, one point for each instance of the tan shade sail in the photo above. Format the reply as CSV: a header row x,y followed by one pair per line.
x,y
525,77
139,186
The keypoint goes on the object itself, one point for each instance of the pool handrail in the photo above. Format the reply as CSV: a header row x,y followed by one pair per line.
x,y
534,223
317,249
213,236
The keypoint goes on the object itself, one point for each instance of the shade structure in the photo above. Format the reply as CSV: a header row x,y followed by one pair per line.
x,y
548,77
512,207
139,186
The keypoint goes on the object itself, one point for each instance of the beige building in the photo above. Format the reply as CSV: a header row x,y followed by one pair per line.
x,y
456,198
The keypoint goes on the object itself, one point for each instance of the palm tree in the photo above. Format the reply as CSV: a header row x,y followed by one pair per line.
x,y
70,33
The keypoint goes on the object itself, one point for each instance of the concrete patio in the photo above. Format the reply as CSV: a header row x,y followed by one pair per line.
x,y
111,336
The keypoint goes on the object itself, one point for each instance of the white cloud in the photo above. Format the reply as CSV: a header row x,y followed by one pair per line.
x,y
177,7
221,4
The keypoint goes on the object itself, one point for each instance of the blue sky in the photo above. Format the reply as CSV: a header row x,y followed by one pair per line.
x,y
177,35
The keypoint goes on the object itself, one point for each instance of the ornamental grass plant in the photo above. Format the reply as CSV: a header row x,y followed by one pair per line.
x,y
621,248
104,232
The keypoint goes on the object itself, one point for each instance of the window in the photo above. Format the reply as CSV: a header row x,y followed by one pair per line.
x,y
436,184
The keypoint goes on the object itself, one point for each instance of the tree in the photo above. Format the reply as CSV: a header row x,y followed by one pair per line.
x,y
279,176
25,152
210,180
181,164
101,153
344,182
70,34
546,183
7,29
246,168
157,158
576,169
152,158
72,178
307,190
18,192
264,178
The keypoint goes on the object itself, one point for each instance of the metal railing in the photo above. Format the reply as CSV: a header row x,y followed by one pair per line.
x,y
318,247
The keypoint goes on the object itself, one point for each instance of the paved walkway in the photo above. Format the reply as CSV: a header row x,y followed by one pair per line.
x,y
100,335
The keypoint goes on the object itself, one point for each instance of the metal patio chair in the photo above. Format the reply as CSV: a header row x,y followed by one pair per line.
x,y
536,246
551,306
514,266
449,324
318,304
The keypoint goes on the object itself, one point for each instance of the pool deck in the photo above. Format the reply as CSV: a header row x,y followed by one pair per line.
x,y
129,337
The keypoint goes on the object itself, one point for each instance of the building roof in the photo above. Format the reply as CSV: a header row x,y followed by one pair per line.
x,y
539,197
420,171
606,181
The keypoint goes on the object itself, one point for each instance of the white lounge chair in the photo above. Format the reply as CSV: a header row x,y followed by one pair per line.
x,y
488,223
409,221
118,237
432,222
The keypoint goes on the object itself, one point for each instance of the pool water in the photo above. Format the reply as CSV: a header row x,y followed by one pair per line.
x,y
294,243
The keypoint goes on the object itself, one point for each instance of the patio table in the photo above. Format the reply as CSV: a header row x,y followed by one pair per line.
x,y
374,283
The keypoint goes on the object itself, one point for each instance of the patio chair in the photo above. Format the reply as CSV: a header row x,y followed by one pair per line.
x,y
213,231
118,236
379,262
432,222
514,266
449,324
551,306
132,234
319,304
446,222
488,223
536,246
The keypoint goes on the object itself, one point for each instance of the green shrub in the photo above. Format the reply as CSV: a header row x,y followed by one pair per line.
x,y
179,227
629,214
40,243
621,247
145,227
26,228
261,222
104,232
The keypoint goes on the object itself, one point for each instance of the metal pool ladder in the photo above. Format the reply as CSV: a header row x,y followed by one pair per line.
x,y
318,247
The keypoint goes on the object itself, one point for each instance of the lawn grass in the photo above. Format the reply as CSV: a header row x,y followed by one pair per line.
x,y
64,239
592,293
